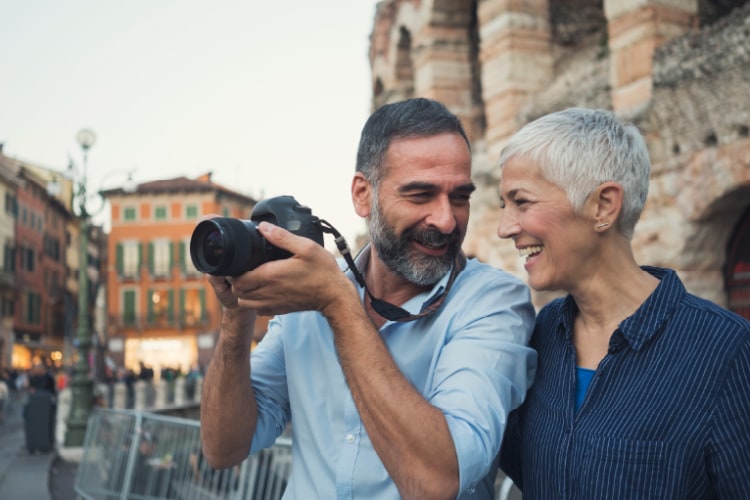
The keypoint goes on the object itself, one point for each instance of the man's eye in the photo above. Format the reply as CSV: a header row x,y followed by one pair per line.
x,y
461,199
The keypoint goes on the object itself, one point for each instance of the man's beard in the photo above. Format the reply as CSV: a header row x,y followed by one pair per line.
x,y
410,264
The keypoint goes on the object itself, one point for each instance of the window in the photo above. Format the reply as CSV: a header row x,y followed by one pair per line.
x,y
128,258
160,212
193,306
160,257
129,214
51,247
129,307
160,309
8,308
27,258
191,211
11,205
32,311
9,258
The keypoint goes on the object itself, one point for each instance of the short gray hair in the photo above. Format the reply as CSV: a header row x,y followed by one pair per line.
x,y
418,117
578,149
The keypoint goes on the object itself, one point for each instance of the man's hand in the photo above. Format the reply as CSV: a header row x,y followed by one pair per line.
x,y
309,280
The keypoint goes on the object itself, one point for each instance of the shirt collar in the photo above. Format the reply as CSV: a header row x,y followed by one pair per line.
x,y
647,321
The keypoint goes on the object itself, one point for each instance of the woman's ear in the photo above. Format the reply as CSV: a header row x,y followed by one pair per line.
x,y
607,201
361,195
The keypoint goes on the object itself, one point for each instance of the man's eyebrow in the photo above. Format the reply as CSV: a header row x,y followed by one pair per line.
x,y
469,187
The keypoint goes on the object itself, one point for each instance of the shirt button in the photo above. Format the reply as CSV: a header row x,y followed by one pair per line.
x,y
350,438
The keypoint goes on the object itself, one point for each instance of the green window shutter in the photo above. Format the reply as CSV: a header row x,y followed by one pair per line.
x,y
183,264
140,260
29,307
181,310
119,259
171,256
150,302
36,310
128,303
170,306
151,258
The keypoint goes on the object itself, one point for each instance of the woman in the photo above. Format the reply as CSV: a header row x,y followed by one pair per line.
x,y
642,389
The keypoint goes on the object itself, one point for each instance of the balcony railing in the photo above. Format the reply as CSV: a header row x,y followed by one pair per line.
x,y
142,322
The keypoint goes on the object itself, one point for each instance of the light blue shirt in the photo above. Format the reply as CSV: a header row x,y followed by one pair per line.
x,y
470,359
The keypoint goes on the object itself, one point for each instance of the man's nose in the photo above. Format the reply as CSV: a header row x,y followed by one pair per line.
x,y
442,216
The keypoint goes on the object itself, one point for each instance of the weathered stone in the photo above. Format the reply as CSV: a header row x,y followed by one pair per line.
x,y
685,86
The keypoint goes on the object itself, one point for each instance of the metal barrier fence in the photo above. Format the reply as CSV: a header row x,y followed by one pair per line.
x,y
138,455
135,455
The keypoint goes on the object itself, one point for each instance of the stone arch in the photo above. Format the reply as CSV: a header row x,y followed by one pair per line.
x,y
702,265
429,48
737,268
404,64
392,50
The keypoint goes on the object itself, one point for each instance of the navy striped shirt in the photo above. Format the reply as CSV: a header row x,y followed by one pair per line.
x,y
667,413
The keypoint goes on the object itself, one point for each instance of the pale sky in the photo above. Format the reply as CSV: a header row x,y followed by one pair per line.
x,y
269,95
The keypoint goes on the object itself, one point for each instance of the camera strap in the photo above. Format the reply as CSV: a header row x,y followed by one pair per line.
x,y
385,309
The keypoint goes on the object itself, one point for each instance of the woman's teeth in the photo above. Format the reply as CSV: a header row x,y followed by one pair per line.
x,y
529,251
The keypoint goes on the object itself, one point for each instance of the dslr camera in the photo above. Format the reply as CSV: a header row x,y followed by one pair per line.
x,y
225,246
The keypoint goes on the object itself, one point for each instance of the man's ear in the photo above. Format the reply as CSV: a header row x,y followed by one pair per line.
x,y
607,201
361,195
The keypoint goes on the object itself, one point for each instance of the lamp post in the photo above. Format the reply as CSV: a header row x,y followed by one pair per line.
x,y
81,383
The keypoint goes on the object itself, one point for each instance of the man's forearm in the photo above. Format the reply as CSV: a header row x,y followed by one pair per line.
x,y
410,435
228,409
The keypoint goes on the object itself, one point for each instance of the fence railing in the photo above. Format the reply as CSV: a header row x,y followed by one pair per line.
x,y
140,455
137,455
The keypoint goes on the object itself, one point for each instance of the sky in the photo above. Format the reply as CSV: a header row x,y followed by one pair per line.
x,y
270,96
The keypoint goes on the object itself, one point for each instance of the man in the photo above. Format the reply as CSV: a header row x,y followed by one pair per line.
x,y
413,406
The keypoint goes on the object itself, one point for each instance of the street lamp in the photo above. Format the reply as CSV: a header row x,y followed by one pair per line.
x,y
81,383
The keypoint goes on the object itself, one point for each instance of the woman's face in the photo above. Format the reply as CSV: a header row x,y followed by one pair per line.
x,y
558,245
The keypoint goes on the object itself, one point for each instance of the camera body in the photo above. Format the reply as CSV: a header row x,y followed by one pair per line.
x,y
225,246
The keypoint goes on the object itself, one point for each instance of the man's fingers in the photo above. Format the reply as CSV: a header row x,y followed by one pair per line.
x,y
281,238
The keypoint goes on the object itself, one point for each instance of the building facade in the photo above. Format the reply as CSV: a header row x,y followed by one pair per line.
x,y
39,282
161,311
679,70
9,185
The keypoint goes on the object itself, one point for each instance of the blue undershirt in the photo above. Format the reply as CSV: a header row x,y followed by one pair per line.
x,y
583,379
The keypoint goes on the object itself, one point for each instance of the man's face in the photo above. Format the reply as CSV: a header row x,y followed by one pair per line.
x,y
420,211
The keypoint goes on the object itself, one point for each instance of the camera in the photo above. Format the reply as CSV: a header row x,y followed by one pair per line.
x,y
225,246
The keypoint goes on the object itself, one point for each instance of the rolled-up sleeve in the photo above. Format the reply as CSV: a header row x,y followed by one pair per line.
x,y
484,371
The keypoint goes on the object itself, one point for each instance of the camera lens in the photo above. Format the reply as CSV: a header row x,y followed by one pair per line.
x,y
224,246
213,248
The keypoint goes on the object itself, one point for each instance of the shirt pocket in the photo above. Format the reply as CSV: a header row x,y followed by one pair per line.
x,y
624,468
